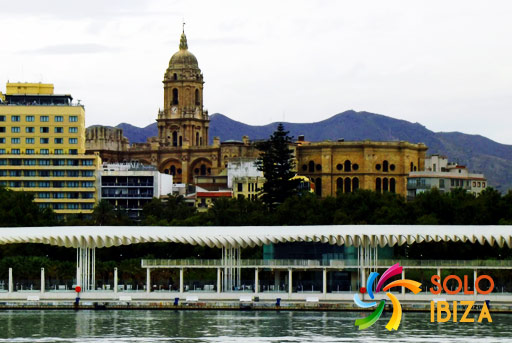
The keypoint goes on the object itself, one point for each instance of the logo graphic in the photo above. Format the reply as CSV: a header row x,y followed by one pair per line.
x,y
396,317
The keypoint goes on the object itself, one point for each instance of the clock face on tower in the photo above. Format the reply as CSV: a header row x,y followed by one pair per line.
x,y
174,109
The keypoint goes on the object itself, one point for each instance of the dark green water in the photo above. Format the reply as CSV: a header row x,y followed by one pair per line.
x,y
246,327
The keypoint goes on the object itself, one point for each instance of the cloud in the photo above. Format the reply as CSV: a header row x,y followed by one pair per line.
x,y
70,49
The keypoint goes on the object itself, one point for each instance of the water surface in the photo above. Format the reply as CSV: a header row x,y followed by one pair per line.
x,y
237,327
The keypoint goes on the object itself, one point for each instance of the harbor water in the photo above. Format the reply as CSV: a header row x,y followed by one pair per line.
x,y
237,327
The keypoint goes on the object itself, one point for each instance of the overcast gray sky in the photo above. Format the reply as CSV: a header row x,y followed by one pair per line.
x,y
445,64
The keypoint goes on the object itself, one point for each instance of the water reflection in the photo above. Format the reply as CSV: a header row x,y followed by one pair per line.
x,y
236,327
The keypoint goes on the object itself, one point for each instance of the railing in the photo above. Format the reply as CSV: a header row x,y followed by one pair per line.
x,y
197,263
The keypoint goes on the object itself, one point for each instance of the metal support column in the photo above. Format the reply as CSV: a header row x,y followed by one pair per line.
x,y
10,281
181,280
290,281
219,280
148,280
86,268
115,280
324,282
42,281
256,281
231,261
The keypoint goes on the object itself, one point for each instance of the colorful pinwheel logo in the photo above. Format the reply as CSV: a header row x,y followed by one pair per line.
x,y
396,317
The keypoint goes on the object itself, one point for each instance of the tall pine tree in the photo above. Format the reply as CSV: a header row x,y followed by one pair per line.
x,y
276,161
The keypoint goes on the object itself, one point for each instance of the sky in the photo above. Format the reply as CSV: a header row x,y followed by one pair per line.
x,y
444,64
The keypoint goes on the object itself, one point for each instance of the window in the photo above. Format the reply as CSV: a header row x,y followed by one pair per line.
x,y
73,151
15,141
58,184
73,119
44,184
339,166
15,129
59,195
311,166
45,129
385,165
441,183
59,118
73,140
30,173
72,162
29,129
88,173
44,173
29,140
59,162
15,162
44,140
348,166
29,118
73,184
2,140
15,173
2,151
58,151
58,173
30,184
87,206
59,130
3,172
44,151
87,195
175,96
3,162
2,118
240,187
15,118
87,184
2,129
58,206
87,162
73,173
483,184
44,118
58,140
73,129
43,195
29,162
14,184
30,152
44,162
72,206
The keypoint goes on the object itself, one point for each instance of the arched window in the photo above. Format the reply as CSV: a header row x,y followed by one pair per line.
x,y
181,141
175,76
173,170
166,171
311,166
197,138
385,165
318,167
318,187
175,96
348,166
385,184
378,185
200,140
203,169
355,184
198,102
347,185
339,185
174,138
412,166
392,185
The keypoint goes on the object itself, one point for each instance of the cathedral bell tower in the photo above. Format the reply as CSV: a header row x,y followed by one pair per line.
x,y
183,123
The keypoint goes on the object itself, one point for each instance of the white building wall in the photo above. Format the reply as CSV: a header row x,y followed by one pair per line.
x,y
242,167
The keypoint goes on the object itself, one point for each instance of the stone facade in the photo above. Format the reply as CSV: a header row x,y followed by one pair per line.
x,y
181,147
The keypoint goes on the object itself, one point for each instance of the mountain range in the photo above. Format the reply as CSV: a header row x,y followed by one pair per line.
x,y
478,153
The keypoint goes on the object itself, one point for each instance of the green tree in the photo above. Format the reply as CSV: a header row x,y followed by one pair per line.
x,y
276,161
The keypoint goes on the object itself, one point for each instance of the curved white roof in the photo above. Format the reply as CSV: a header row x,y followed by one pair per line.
x,y
244,236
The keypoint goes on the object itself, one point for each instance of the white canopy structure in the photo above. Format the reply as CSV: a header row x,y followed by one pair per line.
x,y
231,238
250,236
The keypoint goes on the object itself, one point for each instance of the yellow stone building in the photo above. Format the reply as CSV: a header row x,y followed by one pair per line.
x,y
181,147
42,148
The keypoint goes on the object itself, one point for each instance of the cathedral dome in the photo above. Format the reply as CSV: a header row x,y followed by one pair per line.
x,y
183,58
